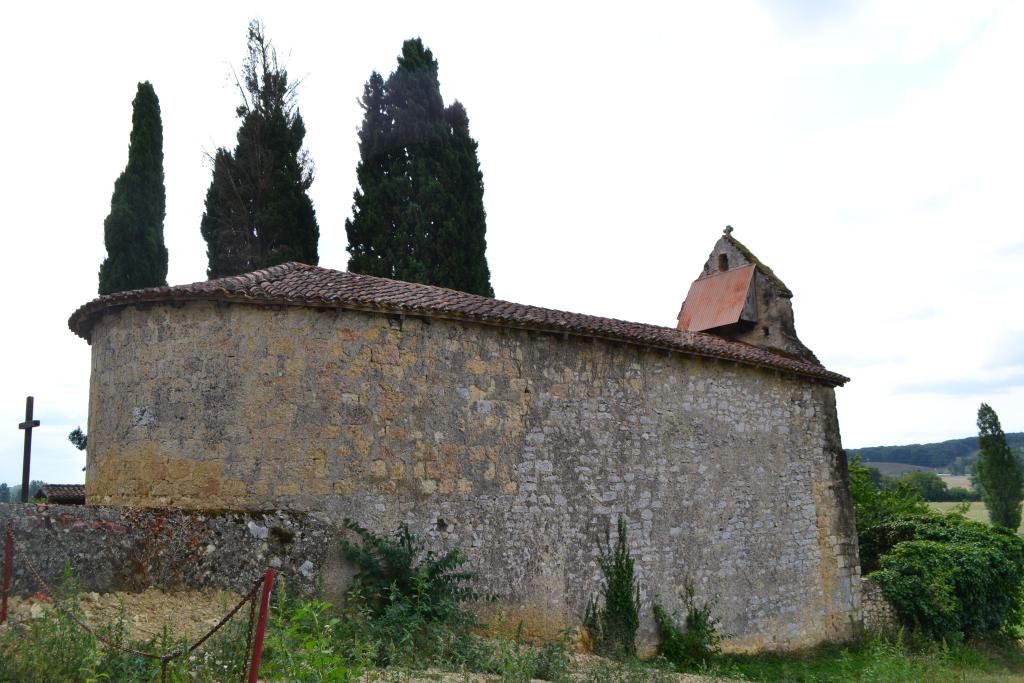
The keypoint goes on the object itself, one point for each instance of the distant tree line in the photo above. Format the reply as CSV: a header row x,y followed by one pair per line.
x,y
12,494
934,488
418,212
928,485
996,470
944,454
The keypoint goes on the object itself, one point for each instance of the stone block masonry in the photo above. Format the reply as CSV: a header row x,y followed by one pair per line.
x,y
518,446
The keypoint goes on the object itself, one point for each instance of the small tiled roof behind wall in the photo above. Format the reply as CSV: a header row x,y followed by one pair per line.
x,y
298,284
67,494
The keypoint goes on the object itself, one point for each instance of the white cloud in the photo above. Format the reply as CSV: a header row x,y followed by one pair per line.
x,y
868,153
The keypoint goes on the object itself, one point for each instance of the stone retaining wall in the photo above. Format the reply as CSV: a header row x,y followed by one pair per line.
x,y
130,549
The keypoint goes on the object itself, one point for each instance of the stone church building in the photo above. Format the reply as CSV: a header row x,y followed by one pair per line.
x,y
514,432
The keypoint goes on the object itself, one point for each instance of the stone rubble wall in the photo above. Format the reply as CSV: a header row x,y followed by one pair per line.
x,y
878,614
519,447
111,549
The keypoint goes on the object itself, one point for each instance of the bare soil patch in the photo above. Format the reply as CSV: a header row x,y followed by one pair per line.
x,y
185,614
587,668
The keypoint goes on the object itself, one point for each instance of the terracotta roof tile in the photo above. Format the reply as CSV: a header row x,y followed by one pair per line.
x,y
298,284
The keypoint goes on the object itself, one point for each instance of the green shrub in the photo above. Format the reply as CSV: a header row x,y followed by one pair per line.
x,y
304,643
614,625
397,570
875,503
945,575
410,603
950,577
697,642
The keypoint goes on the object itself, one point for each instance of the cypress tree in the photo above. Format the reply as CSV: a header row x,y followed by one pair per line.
x,y
466,236
418,212
133,232
998,472
226,224
258,211
371,242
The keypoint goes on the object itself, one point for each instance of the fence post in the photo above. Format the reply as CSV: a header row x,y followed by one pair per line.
x,y
261,626
8,559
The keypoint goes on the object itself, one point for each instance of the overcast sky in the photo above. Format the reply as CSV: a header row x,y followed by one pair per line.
x,y
870,153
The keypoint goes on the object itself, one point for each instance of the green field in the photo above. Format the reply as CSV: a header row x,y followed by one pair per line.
x,y
898,469
977,511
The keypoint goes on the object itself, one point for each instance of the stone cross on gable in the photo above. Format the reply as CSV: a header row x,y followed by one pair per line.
x,y
28,425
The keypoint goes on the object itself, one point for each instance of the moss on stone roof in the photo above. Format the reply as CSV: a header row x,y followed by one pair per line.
x,y
764,270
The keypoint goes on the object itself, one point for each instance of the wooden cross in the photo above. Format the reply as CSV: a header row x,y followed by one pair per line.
x,y
28,425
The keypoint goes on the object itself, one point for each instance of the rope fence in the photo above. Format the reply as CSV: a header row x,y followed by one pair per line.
x,y
253,637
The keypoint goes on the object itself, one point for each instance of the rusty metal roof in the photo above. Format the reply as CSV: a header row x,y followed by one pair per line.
x,y
716,300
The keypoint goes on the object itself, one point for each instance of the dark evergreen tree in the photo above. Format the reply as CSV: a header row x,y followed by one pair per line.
x,y
5,493
133,232
372,243
418,213
464,241
258,211
998,472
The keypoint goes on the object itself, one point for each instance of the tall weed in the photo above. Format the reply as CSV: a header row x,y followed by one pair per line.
x,y
614,623
698,641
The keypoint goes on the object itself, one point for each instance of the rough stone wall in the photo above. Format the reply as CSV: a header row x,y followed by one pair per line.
x,y
519,447
131,549
879,616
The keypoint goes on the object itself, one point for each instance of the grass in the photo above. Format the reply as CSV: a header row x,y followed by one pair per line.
x,y
313,641
977,511
304,645
883,661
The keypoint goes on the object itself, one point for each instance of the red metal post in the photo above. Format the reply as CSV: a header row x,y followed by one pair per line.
x,y
8,559
261,626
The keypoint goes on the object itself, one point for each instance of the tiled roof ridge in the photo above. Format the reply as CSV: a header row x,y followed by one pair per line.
x,y
64,487
299,284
